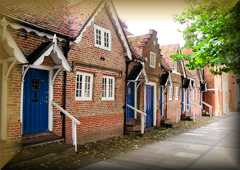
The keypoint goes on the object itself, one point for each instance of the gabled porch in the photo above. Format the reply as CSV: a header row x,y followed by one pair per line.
x,y
135,115
35,82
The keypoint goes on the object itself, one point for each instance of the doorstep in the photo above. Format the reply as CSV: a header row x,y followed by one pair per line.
x,y
40,139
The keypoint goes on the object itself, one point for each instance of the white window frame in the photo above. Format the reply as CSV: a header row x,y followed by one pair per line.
x,y
176,92
170,87
103,31
107,98
175,65
152,60
170,93
83,97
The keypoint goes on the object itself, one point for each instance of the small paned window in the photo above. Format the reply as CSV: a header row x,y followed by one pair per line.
x,y
84,85
103,38
176,91
108,88
152,62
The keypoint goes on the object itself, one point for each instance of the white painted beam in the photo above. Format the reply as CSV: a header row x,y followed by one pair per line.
x,y
4,94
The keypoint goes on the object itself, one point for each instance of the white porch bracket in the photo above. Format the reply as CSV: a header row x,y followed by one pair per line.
x,y
10,67
55,74
143,115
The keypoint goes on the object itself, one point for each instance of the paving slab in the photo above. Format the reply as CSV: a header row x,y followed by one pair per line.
x,y
214,146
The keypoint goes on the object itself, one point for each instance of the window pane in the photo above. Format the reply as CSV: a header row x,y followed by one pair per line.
x,y
87,86
79,86
104,87
106,39
110,89
98,37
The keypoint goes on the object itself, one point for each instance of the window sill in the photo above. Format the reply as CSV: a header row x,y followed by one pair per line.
x,y
152,67
103,48
104,99
84,99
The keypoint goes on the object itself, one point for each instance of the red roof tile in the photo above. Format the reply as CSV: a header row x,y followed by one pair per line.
x,y
137,43
167,51
65,17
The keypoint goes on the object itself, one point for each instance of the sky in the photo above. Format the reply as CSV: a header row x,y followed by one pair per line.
x,y
142,15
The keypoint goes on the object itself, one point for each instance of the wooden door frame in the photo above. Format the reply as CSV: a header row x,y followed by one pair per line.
x,y
154,100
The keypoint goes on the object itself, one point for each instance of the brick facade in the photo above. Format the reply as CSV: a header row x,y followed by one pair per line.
x,y
143,45
99,119
222,93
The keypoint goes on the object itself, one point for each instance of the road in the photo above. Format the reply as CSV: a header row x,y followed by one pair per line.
x,y
214,146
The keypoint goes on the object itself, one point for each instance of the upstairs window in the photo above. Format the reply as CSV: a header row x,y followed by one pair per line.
x,y
84,85
98,37
175,65
108,88
176,93
170,92
152,62
170,88
102,38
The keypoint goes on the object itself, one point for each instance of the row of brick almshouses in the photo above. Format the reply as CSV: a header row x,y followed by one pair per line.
x,y
71,70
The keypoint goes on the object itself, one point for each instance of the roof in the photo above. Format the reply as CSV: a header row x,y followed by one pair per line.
x,y
39,51
137,44
167,51
65,17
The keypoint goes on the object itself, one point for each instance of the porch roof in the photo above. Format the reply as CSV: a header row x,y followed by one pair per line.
x,y
49,48
136,70
62,17
9,43
39,51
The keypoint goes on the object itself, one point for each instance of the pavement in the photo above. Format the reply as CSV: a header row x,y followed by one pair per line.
x,y
214,146
7,151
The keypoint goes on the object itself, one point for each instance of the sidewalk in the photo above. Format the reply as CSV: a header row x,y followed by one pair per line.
x,y
168,148
214,146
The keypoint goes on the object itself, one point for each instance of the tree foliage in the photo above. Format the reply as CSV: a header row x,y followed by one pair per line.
x,y
212,31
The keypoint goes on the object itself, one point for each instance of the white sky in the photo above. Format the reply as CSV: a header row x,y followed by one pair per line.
x,y
142,15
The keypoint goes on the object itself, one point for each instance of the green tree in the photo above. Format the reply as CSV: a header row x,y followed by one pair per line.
x,y
212,31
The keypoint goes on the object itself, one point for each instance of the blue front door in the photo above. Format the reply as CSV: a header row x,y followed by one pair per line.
x,y
182,100
162,100
149,105
35,101
130,101
188,100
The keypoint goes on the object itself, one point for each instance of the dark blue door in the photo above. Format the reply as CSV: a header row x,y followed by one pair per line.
x,y
35,101
182,100
188,100
149,106
162,100
130,101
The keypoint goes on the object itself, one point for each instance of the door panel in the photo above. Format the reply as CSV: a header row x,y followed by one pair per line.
x,y
162,101
130,101
35,106
183,100
149,105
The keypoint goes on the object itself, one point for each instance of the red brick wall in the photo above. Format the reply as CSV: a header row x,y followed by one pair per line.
x,y
174,106
99,119
233,101
13,110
